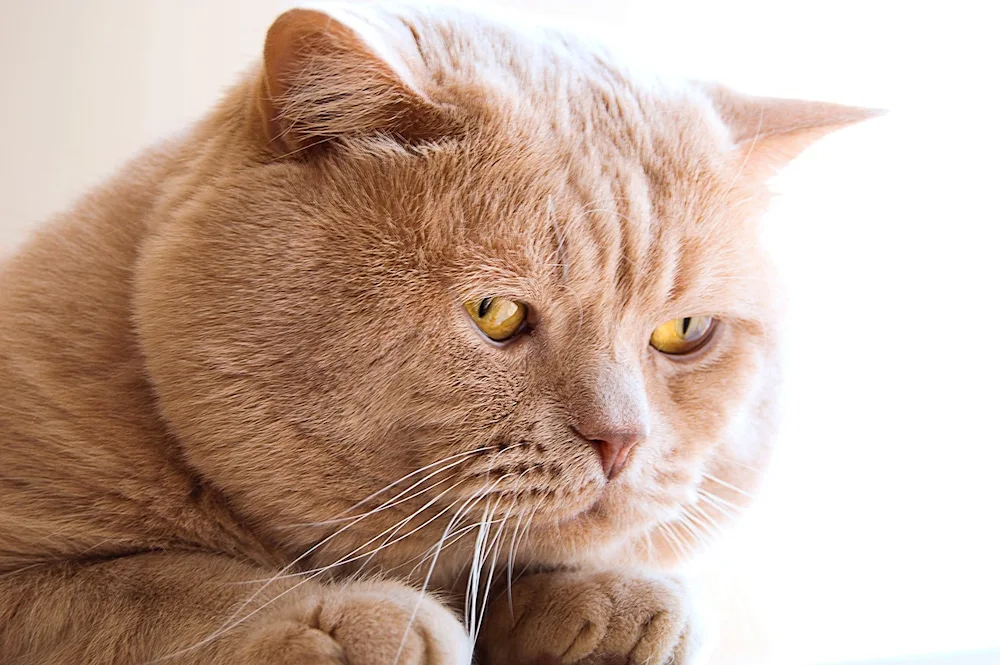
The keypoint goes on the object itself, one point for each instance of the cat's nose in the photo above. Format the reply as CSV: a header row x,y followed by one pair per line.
x,y
613,447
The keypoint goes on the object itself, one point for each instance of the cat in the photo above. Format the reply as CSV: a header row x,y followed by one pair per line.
x,y
440,338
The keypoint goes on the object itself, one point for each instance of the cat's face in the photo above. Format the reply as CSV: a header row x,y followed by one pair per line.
x,y
311,322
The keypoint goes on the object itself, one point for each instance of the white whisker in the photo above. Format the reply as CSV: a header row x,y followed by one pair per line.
x,y
731,510
729,486
729,460
344,515
232,622
495,547
430,572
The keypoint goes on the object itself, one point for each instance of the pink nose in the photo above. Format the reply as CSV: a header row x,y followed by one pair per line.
x,y
613,448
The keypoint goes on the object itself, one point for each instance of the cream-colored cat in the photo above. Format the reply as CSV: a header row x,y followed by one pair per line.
x,y
435,334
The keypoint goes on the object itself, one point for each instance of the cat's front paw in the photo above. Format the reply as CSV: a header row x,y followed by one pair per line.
x,y
590,618
364,623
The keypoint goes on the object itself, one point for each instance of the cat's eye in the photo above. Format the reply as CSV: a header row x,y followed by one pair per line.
x,y
683,336
499,318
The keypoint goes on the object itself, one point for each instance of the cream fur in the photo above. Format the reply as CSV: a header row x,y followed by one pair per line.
x,y
245,358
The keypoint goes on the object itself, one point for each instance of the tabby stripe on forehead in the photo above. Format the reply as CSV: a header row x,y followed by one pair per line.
x,y
634,214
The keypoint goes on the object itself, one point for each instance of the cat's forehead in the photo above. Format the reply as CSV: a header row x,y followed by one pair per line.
x,y
609,232
584,174
626,213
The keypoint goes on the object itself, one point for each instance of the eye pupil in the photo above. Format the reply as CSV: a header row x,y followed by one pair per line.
x,y
484,306
685,325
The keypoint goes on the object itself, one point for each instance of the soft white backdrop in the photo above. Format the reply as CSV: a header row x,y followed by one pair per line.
x,y
876,535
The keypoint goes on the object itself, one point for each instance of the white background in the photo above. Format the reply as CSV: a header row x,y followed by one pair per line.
x,y
876,535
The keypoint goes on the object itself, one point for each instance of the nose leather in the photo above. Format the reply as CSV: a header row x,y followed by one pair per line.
x,y
613,447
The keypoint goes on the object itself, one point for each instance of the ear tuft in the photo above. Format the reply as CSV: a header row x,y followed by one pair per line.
x,y
770,132
322,80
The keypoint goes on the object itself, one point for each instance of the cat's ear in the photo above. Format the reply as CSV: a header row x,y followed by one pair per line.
x,y
769,132
324,79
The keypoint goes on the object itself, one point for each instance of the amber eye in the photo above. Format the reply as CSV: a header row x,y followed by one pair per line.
x,y
682,336
498,318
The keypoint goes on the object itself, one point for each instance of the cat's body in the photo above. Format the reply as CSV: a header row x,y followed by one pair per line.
x,y
245,357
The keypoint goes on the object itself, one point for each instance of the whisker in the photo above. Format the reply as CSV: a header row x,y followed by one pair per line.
x,y
350,556
686,524
510,565
232,622
729,486
673,539
357,519
705,520
730,509
495,547
472,587
453,537
344,515
353,555
395,529
729,460
527,528
230,626
430,572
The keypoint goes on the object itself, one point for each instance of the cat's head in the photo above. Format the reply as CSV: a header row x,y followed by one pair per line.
x,y
473,273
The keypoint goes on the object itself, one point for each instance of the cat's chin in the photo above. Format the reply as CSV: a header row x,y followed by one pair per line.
x,y
604,520
620,515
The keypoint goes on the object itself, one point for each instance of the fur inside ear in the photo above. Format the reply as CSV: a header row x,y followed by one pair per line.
x,y
322,79
769,132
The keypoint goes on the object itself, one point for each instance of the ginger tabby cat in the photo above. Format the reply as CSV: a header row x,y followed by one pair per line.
x,y
438,339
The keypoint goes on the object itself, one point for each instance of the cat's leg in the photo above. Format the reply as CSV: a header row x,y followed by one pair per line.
x,y
146,608
592,618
